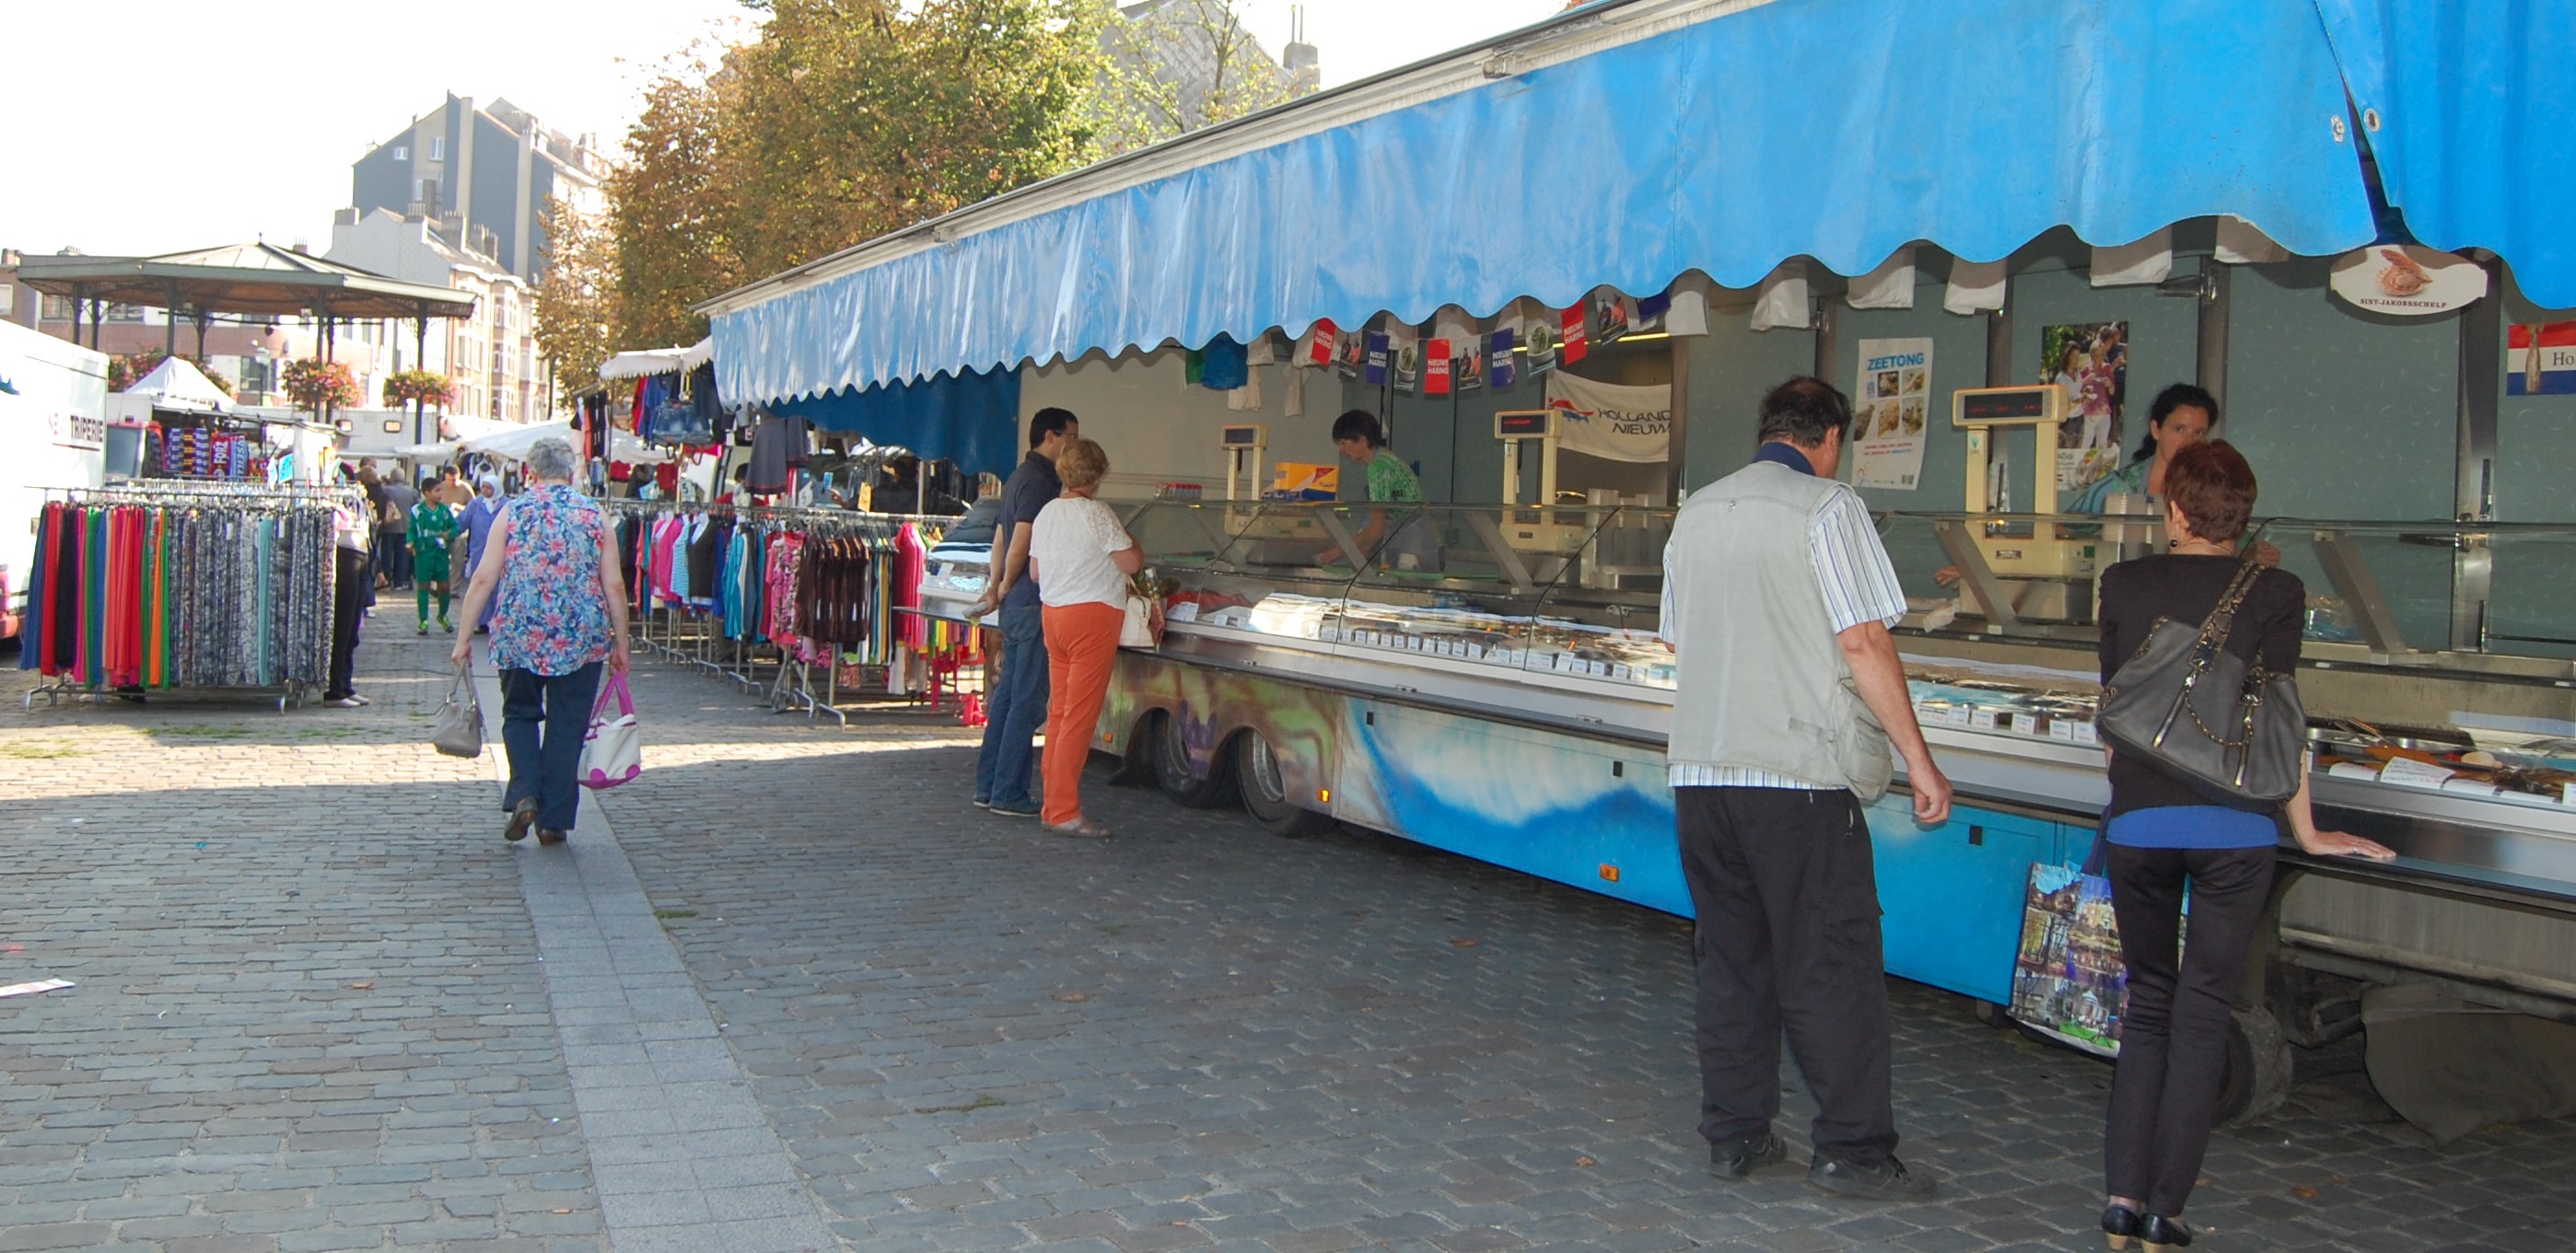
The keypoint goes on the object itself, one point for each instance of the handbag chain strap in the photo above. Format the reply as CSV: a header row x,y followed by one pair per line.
x,y
2213,636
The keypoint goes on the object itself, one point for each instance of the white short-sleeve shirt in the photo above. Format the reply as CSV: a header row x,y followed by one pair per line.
x,y
1070,546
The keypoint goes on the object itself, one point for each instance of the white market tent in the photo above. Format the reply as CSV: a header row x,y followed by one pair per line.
x,y
507,440
176,384
645,363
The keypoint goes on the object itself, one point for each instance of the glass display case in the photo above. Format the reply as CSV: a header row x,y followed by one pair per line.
x,y
1571,591
2445,645
2448,647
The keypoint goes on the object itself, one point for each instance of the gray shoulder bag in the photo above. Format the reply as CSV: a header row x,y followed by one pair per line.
x,y
2199,711
458,729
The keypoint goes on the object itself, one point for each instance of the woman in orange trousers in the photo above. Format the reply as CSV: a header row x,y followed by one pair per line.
x,y
1080,557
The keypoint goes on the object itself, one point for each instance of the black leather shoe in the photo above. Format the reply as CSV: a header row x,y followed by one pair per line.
x,y
2120,1224
1887,1181
522,816
1735,1159
548,835
2161,1234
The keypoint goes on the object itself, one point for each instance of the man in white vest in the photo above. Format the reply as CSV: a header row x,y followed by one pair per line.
x,y
1777,600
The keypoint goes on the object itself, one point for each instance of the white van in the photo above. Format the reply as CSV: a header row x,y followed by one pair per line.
x,y
53,434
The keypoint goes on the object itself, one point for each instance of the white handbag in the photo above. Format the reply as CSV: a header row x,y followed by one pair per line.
x,y
1138,630
613,752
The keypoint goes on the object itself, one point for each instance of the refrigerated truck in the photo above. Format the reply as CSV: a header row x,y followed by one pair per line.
x,y
53,434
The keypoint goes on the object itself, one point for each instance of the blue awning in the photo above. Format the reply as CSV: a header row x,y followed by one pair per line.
x,y
2475,103
971,419
1836,129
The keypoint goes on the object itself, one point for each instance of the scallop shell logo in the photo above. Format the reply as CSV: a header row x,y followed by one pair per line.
x,y
2407,280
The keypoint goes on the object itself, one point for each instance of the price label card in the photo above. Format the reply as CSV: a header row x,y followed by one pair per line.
x,y
2085,734
1981,719
2408,772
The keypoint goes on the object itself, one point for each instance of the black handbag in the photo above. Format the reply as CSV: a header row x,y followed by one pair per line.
x,y
2185,702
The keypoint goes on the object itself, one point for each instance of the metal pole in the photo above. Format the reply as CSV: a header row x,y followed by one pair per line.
x,y
2216,282
420,362
80,297
2481,372
170,322
1677,442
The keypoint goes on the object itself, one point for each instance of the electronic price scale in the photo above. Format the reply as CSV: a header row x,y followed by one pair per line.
x,y
1536,529
1246,518
2013,571
1241,444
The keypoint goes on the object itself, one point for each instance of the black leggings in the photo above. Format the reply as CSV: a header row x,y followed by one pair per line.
x,y
2173,1040
350,594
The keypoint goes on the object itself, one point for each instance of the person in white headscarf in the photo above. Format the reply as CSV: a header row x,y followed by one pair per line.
x,y
480,513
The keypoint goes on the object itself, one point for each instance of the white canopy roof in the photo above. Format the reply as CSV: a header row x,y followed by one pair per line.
x,y
175,384
515,442
647,362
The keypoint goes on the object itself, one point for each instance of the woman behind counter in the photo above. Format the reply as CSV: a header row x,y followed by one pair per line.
x,y
2164,834
1360,439
2181,417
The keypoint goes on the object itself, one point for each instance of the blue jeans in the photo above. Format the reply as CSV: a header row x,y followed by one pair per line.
x,y
543,721
1014,710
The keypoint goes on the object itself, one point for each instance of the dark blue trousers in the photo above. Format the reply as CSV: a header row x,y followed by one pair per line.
x,y
1014,710
543,720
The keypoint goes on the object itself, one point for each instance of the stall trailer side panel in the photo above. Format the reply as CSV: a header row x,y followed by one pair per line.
x,y
1589,813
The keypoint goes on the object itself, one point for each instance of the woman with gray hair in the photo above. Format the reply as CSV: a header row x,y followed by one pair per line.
x,y
549,573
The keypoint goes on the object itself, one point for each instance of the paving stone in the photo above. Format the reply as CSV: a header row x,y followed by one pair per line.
x,y
872,1017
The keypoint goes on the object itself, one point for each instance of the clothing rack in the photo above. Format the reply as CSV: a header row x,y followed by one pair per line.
x,y
182,585
689,635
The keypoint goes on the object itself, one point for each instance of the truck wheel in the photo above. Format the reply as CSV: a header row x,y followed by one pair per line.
x,y
1172,770
1265,797
2258,1067
1136,768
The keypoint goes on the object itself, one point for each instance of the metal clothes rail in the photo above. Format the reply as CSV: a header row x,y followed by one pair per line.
x,y
181,493
690,637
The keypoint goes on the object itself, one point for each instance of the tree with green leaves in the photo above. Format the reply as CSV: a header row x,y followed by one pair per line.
x,y
846,120
1176,66
576,294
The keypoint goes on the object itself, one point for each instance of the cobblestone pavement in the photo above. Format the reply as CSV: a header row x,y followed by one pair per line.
x,y
310,1017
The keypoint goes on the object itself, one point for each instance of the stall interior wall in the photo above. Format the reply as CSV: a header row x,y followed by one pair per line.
x,y
1451,438
2344,414
1157,428
2535,582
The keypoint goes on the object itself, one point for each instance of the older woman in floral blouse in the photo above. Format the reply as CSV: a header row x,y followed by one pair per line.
x,y
550,573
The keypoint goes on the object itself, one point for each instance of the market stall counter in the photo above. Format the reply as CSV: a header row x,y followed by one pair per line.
x,y
1495,686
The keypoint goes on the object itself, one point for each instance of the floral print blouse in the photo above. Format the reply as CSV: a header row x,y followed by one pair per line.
x,y
549,617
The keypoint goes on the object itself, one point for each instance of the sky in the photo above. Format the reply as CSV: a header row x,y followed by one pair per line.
x,y
250,133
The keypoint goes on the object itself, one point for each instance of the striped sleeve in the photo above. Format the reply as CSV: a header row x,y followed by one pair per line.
x,y
1859,582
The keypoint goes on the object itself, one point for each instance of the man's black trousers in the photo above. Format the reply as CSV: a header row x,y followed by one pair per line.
x,y
1788,939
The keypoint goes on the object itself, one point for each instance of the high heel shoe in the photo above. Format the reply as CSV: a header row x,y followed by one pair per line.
x,y
2120,1224
2161,1234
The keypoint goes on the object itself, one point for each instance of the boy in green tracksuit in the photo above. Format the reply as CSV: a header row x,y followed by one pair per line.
x,y
433,530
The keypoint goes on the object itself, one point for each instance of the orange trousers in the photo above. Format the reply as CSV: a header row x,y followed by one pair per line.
x,y
1082,648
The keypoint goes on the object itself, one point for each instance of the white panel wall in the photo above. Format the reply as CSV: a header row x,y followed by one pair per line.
x,y
1157,428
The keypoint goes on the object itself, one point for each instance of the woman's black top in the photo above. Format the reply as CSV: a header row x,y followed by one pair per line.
x,y
2185,588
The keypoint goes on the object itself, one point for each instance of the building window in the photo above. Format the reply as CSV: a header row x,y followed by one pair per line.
x,y
8,299
56,309
124,313
402,152
438,147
